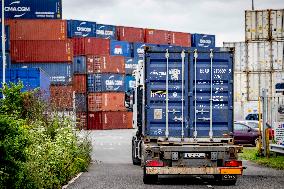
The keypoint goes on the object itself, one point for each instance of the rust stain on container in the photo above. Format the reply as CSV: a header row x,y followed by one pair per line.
x,y
109,101
105,64
37,29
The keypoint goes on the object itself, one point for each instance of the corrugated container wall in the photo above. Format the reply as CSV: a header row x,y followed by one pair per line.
x,y
157,37
78,28
258,56
79,65
120,48
80,102
61,96
91,46
7,38
32,78
105,64
110,101
130,65
37,29
257,25
79,83
33,9
109,120
203,40
106,31
276,24
130,34
59,73
180,39
130,83
41,51
106,82
81,120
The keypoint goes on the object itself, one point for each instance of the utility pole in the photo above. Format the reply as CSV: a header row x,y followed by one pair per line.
x,y
3,42
252,4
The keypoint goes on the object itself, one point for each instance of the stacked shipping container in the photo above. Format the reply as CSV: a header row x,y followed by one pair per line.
x,y
258,60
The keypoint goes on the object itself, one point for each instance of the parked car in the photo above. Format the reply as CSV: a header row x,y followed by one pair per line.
x,y
254,125
244,134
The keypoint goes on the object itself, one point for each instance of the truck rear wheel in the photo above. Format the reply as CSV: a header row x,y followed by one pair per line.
x,y
149,179
135,160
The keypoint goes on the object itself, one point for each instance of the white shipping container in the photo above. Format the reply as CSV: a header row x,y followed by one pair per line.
x,y
258,56
277,24
257,25
257,82
240,87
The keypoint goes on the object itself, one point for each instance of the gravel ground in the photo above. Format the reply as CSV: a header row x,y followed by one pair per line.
x,y
112,168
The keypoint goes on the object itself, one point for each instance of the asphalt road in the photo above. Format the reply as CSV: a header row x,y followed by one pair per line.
x,y
112,168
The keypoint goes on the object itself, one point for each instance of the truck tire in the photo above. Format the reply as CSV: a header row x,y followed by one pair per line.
x,y
218,178
149,179
135,160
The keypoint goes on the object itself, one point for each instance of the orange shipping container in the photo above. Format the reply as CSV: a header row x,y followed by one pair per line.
x,y
80,83
109,101
81,120
37,29
61,97
105,64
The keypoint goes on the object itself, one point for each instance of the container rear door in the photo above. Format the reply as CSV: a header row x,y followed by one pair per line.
x,y
201,83
156,72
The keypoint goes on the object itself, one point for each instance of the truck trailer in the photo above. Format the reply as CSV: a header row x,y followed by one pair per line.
x,y
183,112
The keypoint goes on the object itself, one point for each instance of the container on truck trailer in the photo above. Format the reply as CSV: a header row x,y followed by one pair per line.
x,y
184,114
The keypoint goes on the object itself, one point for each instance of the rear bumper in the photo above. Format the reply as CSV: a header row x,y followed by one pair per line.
x,y
194,171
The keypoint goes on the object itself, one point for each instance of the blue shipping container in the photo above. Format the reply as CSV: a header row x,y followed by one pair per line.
x,y
59,73
129,83
106,31
120,48
80,102
80,65
156,91
77,28
32,9
8,61
203,40
106,83
7,38
130,65
32,78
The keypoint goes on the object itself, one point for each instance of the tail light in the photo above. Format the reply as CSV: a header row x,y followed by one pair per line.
x,y
154,163
233,163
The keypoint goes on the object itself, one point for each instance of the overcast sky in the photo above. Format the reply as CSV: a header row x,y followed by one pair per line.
x,y
224,18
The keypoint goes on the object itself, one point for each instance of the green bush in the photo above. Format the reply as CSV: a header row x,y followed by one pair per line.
x,y
38,148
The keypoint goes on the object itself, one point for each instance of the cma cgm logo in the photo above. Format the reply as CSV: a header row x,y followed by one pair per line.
x,y
15,7
83,28
101,31
118,49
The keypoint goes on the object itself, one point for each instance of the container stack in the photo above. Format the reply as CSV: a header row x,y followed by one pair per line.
x,y
258,60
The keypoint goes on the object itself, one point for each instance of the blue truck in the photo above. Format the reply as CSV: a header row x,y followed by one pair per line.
x,y
184,114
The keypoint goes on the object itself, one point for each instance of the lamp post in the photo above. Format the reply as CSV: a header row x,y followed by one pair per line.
x,y
3,43
252,4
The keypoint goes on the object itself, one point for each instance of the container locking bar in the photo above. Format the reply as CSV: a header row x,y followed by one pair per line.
x,y
195,95
211,96
182,95
167,55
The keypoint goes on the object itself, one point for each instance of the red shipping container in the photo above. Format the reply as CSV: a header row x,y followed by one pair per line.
x,y
37,29
81,120
61,96
91,46
109,120
80,83
41,51
108,101
130,34
105,64
180,39
161,37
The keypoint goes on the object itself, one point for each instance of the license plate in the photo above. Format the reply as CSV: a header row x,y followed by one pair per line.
x,y
229,177
194,155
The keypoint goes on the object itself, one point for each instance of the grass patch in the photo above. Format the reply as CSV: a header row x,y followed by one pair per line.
x,y
276,162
